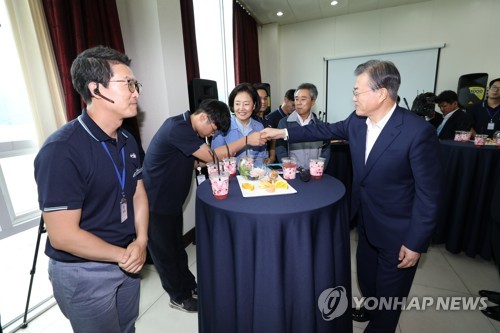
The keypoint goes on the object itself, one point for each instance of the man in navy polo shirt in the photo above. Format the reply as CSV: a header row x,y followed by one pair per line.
x,y
93,199
486,115
284,110
168,172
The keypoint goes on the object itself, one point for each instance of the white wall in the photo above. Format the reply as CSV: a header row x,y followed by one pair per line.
x,y
268,34
468,27
152,34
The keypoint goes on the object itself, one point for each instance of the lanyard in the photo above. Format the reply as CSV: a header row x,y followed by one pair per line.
x,y
488,110
121,179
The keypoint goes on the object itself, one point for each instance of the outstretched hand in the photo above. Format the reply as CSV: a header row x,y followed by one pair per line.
x,y
272,133
255,139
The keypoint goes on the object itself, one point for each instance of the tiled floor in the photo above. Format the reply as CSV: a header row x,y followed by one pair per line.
x,y
440,274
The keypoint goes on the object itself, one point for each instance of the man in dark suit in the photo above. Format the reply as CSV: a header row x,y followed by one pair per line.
x,y
454,118
396,186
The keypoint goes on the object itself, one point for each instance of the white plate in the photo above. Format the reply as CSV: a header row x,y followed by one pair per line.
x,y
261,192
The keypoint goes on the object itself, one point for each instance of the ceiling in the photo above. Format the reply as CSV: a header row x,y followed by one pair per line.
x,y
264,11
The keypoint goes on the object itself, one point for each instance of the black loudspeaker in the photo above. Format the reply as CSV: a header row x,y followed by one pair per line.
x,y
200,89
472,89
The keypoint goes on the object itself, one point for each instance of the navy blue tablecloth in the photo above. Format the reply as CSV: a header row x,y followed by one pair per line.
x,y
470,174
340,167
263,262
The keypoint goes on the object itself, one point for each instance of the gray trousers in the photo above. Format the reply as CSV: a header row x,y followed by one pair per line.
x,y
96,297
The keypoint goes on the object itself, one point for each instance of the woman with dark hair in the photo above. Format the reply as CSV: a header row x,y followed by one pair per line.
x,y
244,103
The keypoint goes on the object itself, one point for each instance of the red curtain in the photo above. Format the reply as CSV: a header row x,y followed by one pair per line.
x,y
74,26
246,46
77,25
189,34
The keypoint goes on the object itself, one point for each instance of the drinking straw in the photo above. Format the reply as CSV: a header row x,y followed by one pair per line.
x,y
216,161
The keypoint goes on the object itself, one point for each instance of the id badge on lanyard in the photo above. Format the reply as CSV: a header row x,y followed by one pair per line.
x,y
123,209
491,124
121,180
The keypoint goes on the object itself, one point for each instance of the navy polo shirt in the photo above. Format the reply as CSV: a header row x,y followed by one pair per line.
x,y
482,114
74,171
169,163
274,117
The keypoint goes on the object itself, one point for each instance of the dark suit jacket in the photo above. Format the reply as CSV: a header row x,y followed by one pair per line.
x,y
398,190
459,121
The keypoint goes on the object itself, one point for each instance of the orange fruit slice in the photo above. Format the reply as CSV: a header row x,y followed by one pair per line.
x,y
281,184
247,186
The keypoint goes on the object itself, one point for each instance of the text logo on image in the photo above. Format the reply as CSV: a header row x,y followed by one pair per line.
x,y
333,302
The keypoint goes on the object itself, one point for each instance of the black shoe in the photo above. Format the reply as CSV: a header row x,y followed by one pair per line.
x,y
188,305
493,296
360,315
492,312
195,293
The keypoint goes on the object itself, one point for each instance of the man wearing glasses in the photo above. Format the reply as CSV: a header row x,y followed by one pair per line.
x,y
168,173
93,199
396,187
486,115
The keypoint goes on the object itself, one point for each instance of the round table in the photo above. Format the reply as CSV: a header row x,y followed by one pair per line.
x,y
470,174
262,262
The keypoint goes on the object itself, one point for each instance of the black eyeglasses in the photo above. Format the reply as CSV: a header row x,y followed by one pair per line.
x,y
133,85
214,128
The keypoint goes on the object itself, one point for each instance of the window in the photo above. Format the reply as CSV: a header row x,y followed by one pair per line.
x,y
214,39
31,107
17,136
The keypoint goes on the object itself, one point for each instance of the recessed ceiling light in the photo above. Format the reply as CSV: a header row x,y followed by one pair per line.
x,y
279,13
334,3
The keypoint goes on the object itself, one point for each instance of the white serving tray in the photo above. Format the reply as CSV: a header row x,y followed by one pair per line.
x,y
260,192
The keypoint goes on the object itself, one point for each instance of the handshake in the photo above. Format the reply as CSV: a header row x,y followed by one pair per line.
x,y
267,134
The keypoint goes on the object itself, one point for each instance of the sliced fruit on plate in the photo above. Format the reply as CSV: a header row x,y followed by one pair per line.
x,y
265,184
247,186
273,175
270,189
281,184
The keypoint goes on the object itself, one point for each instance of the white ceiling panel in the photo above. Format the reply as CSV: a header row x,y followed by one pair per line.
x,y
264,11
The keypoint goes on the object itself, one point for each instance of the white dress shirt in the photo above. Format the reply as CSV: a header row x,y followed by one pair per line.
x,y
373,131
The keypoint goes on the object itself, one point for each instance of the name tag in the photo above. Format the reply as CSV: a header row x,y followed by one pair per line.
x,y
201,178
123,210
